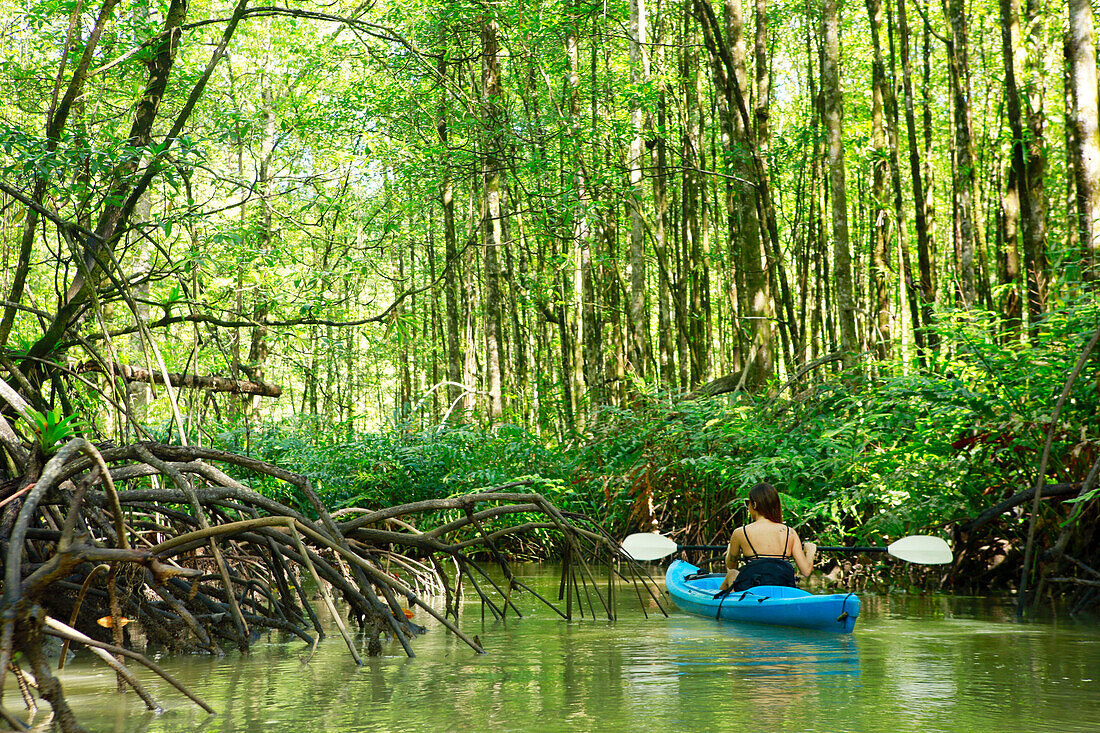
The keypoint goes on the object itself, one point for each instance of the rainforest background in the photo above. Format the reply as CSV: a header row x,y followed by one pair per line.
x,y
648,252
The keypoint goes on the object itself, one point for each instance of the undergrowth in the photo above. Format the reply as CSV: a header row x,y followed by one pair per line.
x,y
856,460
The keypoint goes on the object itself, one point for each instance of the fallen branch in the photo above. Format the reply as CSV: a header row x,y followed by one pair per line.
x,y
1049,492
190,381
1076,581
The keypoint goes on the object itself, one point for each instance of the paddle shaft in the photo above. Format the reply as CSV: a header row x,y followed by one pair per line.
x,y
717,548
914,548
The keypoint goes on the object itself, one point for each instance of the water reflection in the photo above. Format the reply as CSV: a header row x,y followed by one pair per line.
x,y
913,664
761,651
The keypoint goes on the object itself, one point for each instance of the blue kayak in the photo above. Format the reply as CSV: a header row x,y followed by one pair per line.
x,y
694,592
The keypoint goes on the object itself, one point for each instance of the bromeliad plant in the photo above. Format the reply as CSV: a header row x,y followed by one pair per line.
x,y
51,429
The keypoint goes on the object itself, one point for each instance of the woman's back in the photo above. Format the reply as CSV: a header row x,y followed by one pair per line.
x,y
764,538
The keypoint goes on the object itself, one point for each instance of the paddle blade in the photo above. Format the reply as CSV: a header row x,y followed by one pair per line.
x,y
921,549
648,546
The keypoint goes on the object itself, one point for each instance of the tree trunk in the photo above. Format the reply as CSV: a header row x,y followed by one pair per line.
x,y
743,180
909,293
259,349
1034,213
963,169
1022,168
614,290
923,295
140,394
921,174
842,259
1009,258
1081,58
520,340
591,304
581,232
759,276
769,237
690,212
492,219
471,308
404,366
450,245
666,349
880,216
640,352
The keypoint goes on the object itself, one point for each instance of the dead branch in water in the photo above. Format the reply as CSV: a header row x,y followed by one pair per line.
x,y
170,546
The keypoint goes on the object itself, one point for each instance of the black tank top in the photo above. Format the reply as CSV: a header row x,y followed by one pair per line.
x,y
765,569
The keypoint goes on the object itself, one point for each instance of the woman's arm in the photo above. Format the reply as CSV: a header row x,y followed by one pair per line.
x,y
732,553
734,550
803,558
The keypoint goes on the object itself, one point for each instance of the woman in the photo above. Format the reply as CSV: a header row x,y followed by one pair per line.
x,y
767,546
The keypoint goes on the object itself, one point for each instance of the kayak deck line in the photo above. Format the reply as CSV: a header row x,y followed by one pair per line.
x,y
698,593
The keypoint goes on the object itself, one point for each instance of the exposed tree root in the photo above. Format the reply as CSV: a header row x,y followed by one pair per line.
x,y
174,542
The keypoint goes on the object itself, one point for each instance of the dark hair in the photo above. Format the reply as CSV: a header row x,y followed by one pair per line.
x,y
766,499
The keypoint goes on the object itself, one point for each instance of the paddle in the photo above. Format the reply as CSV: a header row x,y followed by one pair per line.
x,y
914,548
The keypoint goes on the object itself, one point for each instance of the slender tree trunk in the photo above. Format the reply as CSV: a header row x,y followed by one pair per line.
x,y
450,244
1074,222
1034,213
880,216
580,281
592,305
613,295
520,340
472,304
640,351
842,258
140,392
908,283
690,211
666,349
1081,58
754,239
763,78
811,322
928,173
769,238
1009,259
493,238
259,349
404,352
963,169
744,181
239,407
1023,168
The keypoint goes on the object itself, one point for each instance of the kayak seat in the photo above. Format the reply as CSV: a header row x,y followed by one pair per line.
x,y
703,575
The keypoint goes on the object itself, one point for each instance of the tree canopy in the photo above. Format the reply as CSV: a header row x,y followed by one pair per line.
x,y
639,255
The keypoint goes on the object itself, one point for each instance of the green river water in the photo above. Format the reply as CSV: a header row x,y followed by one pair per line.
x,y
914,663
